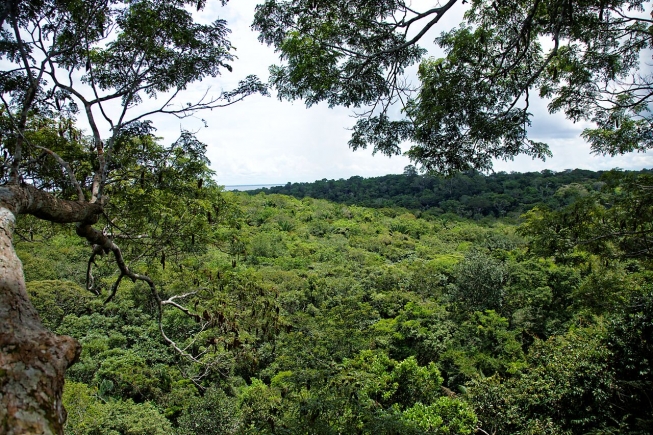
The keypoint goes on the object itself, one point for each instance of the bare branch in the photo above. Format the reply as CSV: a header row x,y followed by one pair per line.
x,y
439,14
181,308
90,280
114,288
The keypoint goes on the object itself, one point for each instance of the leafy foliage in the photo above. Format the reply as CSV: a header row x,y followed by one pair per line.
x,y
326,318
89,415
472,105
613,223
271,314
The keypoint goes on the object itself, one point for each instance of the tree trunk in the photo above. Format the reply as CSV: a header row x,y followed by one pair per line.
x,y
33,360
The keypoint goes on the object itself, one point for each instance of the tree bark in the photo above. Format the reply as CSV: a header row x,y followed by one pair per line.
x,y
33,360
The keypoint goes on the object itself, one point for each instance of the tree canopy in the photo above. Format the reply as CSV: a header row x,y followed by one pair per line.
x,y
472,105
303,316
333,318
109,65
469,194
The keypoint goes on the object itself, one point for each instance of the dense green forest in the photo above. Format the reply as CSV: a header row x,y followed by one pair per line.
x,y
513,303
469,194
320,317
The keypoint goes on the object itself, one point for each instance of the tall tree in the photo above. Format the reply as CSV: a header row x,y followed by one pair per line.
x,y
472,105
98,60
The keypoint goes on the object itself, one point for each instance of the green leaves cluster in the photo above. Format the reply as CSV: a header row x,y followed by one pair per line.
x,y
472,105
309,34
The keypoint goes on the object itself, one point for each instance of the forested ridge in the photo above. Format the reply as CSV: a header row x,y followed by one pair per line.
x,y
465,194
320,317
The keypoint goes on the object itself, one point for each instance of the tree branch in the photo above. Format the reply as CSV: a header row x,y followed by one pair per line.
x,y
27,199
105,244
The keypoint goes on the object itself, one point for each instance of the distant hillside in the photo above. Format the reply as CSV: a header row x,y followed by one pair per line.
x,y
469,194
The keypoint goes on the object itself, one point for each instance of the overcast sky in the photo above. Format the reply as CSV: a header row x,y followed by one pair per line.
x,y
263,140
